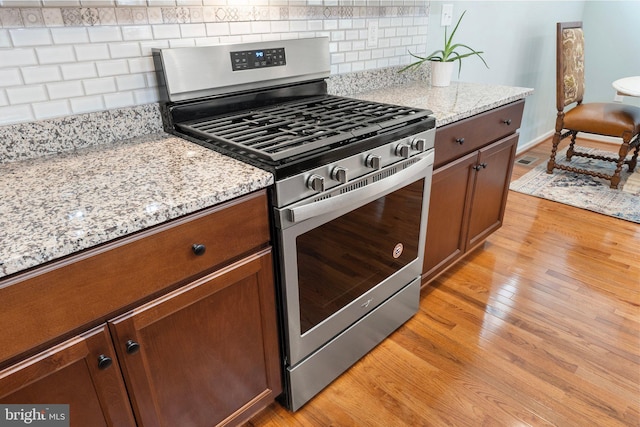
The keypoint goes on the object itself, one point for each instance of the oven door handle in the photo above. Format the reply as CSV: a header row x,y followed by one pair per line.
x,y
361,195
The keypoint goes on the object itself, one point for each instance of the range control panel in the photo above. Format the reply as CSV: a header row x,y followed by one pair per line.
x,y
260,58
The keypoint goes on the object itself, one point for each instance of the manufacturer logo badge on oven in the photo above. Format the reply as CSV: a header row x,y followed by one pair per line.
x,y
397,251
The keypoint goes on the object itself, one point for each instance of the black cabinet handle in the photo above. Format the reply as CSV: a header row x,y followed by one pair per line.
x,y
104,361
480,166
132,347
199,249
460,141
507,122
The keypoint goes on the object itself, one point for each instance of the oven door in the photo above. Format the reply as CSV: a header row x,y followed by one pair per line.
x,y
346,251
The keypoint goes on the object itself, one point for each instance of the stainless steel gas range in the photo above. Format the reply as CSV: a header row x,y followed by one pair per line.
x,y
350,200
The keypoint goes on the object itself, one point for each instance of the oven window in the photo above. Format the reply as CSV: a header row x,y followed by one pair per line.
x,y
344,258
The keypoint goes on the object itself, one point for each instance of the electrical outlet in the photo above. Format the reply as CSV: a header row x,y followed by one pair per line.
x,y
372,34
618,98
447,15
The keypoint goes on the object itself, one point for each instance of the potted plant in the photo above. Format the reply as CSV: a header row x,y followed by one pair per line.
x,y
442,60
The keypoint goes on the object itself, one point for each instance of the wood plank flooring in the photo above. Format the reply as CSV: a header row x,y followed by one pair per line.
x,y
539,326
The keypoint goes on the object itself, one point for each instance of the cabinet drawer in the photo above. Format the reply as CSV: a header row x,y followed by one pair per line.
x,y
457,139
46,303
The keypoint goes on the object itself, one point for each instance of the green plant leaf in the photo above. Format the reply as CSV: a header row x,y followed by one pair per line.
x,y
448,53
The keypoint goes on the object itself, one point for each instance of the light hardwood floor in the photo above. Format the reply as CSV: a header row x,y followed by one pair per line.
x,y
539,326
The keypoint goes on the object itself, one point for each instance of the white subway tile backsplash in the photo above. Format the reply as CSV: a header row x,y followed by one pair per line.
x,y
15,114
22,37
146,47
260,27
193,30
65,89
218,29
137,32
114,67
166,31
81,70
17,57
236,28
119,100
26,94
101,85
280,26
10,77
41,74
141,65
146,96
47,110
72,35
124,50
92,52
104,34
55,55
75,56
152,79
5,40
86,104
130,82
182,43
131,2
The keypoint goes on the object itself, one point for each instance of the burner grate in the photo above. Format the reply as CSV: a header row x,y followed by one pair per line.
x,y
293,128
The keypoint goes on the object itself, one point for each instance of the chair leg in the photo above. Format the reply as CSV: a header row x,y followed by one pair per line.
x,y
570,150
624,150
554,148
634,160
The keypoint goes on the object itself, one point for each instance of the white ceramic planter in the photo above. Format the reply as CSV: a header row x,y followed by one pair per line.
x,y
441,73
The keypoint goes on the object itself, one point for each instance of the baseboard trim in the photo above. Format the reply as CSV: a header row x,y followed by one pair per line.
x,y
529,145
600,138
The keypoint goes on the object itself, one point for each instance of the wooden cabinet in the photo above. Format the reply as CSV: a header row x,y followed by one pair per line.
x,y
82,372
205,354
193,333
473,165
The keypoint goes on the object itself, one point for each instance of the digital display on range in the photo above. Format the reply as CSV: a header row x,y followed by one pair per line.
x,y
262,58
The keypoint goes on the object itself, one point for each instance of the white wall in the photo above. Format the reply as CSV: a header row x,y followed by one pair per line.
x,y
518,38
612,50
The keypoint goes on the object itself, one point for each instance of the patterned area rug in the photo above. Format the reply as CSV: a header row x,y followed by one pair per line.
x,y
584,191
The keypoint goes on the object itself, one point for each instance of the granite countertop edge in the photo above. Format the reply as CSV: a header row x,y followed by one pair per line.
x,y
56,205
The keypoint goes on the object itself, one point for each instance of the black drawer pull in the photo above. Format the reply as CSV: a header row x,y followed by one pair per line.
x,y
460,141
480,166
104,361
507,122
199,249
132,347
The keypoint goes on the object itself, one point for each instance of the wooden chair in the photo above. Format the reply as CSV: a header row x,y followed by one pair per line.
x,y
609,119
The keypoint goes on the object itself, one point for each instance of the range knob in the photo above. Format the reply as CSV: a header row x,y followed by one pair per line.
x,y
373,161
418,144
339,174
315,183
402,150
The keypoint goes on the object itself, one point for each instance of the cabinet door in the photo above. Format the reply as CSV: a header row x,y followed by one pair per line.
x,y
491,189
448,206
206,353
70,374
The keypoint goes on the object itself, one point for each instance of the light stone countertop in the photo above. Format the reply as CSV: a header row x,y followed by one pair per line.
x,y
449,104
59,204
73,183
